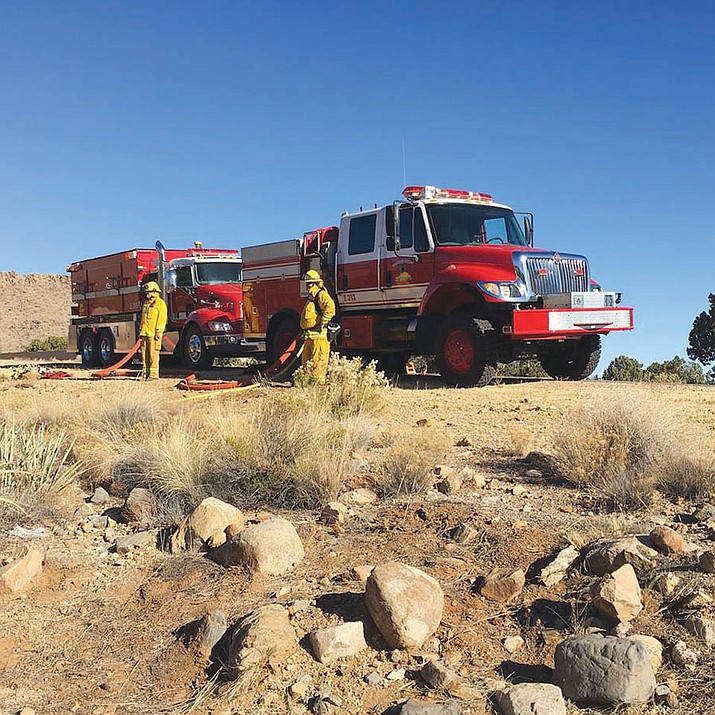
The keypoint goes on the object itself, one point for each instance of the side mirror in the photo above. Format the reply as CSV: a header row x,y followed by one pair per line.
x,y
392,228
529,230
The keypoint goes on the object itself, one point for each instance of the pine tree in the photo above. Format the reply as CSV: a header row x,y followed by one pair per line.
x,y
701,341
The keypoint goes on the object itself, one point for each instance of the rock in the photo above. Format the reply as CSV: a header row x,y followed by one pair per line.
x,y
706,562
342,641
211,629
667,540
417,707
654,648
125,544
531,699
463,533
533,474
27,711
472,477
362,572
100,496
99,522
140,506
373,678
359,497
405,603
299,690
513,644
684,657
607,555
397,674
18,575
702,628
556,570
451,483
617,596
83,511
667,583
519,490
271,547
264,635
334,512
503,587
604,670
520,524
206,526
438,676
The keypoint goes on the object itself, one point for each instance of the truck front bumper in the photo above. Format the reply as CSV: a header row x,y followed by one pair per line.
x,y
229,345
553,324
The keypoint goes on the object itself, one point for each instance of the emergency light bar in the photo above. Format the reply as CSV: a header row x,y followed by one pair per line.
x,y
432,193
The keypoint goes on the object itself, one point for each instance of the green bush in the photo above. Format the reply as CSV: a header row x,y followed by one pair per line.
x,y
54,343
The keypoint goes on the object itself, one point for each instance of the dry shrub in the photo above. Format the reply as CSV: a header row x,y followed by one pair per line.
x,y
36,466
625,449
409,460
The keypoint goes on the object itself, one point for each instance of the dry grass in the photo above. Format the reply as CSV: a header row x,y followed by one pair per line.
x,y
625,449
409,460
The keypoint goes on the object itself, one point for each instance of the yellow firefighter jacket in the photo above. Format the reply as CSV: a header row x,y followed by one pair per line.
x,y
318,311
153,319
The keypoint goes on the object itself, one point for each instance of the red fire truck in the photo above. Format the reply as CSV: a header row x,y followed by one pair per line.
x,y
202,289
444,272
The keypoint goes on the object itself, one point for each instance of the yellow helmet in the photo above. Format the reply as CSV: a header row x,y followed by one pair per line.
x,y
312,277
151,287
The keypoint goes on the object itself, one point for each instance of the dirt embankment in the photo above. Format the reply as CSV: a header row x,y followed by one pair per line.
x,y
32,306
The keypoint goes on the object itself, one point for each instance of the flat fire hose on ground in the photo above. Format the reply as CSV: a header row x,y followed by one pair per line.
x,y
280,369
114,369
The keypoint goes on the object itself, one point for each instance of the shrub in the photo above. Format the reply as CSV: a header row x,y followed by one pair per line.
x,y
35,467
625,448
409,460
51,344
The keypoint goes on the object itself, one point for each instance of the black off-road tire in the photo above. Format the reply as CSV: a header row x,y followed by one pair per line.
x,y
466,351
572,360
280,335
88,348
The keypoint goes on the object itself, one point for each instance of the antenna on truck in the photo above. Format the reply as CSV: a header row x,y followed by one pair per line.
x,y
404,165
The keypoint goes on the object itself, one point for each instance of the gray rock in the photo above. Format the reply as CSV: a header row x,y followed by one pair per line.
x,y
607,555
405,603
531,699
437,675
684,657
212,628
373,678
140,506
604,670
125,544
555,571
264,635
417,707
702,628
99,522
100,496
341,641
707,562
271,547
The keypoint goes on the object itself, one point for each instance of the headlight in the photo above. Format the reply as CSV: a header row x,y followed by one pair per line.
x,y
218,326
502,290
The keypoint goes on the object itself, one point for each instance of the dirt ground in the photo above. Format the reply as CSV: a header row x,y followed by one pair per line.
x,y
100,633
32,306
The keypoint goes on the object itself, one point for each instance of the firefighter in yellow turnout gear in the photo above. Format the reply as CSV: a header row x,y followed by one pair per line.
x,y
151,330
318,311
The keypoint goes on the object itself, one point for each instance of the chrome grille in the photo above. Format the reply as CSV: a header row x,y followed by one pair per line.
x,y
547,275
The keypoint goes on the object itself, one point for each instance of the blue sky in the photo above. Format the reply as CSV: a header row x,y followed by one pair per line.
x,y
237,123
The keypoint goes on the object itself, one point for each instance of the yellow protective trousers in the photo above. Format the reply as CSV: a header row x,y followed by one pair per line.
x,y
316,350
150,357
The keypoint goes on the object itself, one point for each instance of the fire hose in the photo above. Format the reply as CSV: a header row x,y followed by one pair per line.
x,y
114,369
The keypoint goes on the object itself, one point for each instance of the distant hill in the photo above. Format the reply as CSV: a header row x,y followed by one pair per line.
x,y
32,306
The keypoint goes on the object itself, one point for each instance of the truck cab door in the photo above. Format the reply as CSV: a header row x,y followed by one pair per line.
x,y
407,272
359,246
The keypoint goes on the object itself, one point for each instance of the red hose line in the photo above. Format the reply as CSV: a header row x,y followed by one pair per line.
x,y
107,371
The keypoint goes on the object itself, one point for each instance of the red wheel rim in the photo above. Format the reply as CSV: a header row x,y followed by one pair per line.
x,y
459,351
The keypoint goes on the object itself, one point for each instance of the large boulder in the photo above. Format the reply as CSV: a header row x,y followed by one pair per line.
x,y
531,699
607,555
604,670
263,636
617,596
271,547
342,641
405,603
18,575
206,526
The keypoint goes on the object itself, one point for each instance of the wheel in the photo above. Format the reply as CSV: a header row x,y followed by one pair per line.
x,y
194,353
280,337
392,364
88,348
466,351
572,360
105,348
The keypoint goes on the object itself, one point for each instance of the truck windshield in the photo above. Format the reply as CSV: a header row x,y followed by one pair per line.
x,y
208,273
468,225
